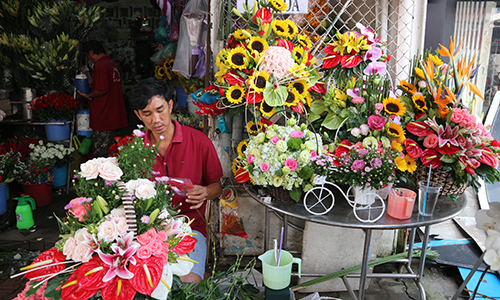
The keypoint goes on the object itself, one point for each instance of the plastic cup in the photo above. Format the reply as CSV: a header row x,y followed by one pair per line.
x,y
278,278
427,197
400,204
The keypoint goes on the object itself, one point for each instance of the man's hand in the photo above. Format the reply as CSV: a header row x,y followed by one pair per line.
x,y
86,96
197,196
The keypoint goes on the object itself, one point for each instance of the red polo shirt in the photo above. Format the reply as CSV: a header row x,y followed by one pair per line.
x,y
191,154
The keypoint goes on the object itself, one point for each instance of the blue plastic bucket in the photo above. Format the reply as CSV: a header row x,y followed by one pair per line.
x,y
57,132
181,96
60,176
83,122
3,198
82,83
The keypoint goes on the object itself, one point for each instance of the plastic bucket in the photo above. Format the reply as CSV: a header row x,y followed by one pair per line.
x,y
181,96
60,176
41,193
82,83
83,122
278,278
400,203
3,198
57,132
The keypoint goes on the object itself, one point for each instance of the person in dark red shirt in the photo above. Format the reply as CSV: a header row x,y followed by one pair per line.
x,y
184,152
107,108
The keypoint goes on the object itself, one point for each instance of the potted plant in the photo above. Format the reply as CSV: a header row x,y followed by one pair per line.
x,y
445,138
60,157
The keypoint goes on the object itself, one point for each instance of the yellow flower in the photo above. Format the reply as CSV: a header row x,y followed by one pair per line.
x,y
238,34
220,60
395,145
301,86
159,72
395,130
299,71
419,101
356,44
299,54
280,27
236,165
220,74
420,72
340,97
266,110
408,86
401,163
309,99
258,81
410,163
253,127
237,58
304,41
292,29
436,60
235,94
258,44
242,146
293,97
394,106
279,5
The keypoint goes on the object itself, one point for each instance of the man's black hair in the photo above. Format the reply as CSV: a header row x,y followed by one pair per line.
x,y
144,90
94,46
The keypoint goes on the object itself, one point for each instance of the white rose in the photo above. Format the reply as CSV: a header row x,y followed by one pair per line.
x,y
90,169
83,236
355,132
121,226
107,231
145,191
69,247
365,129
115,214
114,160
164,214
132,185
108,170
82,253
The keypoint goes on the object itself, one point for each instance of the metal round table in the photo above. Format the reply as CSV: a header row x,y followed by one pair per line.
x,y
342,215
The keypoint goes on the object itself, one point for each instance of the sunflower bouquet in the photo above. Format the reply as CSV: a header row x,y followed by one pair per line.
x,y
444,134
268,65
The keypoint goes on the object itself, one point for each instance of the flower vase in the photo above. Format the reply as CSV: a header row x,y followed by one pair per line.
x,y
41,193
3,198
60,176
57,132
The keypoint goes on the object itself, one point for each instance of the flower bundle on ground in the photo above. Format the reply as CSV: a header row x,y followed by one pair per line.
x,y
267,66
443,132
55,106
119,239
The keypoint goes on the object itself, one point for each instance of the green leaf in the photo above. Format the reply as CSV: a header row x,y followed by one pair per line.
x,y
295,194
332,121
313,117
318,107
275,97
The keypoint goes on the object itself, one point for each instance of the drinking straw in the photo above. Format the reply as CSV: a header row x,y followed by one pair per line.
x,y
281,244
427,189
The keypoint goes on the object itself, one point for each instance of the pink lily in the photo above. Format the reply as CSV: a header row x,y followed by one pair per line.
x,y
124,253
447,135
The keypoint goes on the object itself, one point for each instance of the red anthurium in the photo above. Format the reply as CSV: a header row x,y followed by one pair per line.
x,y
118,289
90,274
350,61
264,14
419,129
448,149
285,44
47,258
72,290
253,97
234,79
266,121
487,157
242,175
298,108
344,147
431,157
330,49
147,274
332,60
185,246
319,88
412,148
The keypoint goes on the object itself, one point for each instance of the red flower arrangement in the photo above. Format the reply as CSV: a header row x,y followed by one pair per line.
x,y
55,106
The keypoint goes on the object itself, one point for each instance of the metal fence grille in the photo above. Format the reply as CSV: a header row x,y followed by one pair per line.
x,y
399,22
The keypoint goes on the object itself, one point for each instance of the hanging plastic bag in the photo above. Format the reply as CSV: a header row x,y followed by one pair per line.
x,y
231,222
162,35
190,57
224,159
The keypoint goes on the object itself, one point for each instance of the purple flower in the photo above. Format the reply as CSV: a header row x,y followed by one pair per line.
x,y
145,219
376,162
75,176
109,182
376,122
362,151
373,54
155,173
358,165
70,205
375,67
138,133
367,169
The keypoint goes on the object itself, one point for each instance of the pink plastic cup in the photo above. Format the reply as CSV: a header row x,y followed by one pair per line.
x,y
400,204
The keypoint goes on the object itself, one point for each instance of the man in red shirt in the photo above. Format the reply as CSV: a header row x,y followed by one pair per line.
x,y
107,108
184,152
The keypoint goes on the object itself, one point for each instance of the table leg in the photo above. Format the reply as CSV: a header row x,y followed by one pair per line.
x,y
285,231
364,265
464,284
421,264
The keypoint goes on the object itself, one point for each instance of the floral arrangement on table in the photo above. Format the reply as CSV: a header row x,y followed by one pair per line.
x,y
38,167
443,133
55,106
280,158
119,239
489,221
267,66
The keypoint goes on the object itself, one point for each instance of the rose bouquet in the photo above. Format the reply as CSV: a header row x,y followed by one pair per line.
x,y
268,65
444,133
55,106
118,239
280,157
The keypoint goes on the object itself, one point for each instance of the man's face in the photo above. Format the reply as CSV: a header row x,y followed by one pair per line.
x,y
156,115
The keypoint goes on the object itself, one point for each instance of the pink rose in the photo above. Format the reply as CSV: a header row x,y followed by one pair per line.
x,y
156,247
457,116
110,171
376,122
162,235
358,100
79,208
313,153
82,253
378,108
275,139
144,252
292,164
147,237
462,141
250,159
296,134
89,170
107,231
485,133
264,166
431,141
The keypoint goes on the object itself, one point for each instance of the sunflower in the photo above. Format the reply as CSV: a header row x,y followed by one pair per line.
x,y
266,110
298,54
299,71
395,145
420,73
304,41
292,28
301,86
236,165
280,27
258,81
279,5
408,87
394,106
293,98
258,44
309,99
419,101
239,34
235,94
395,130
254,128
410,163
159,72
242,146
237,58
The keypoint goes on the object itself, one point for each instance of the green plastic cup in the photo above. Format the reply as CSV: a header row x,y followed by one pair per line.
x,y
278,278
